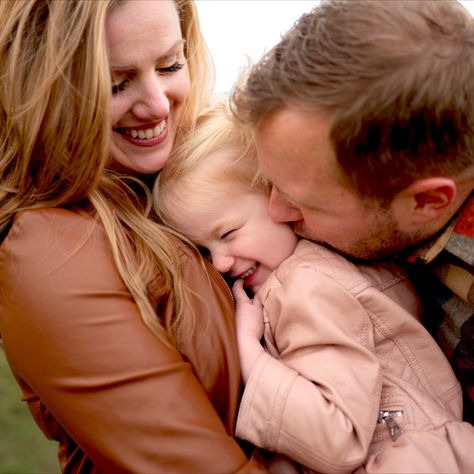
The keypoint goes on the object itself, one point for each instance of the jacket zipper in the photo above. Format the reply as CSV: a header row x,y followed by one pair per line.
x,y
388,417
228,287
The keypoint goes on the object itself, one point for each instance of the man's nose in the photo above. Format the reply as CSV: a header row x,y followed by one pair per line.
x,y
281,210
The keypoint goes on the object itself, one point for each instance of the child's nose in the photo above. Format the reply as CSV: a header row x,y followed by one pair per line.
x,y
223,263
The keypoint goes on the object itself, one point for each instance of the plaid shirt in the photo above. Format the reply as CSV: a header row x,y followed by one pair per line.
x,y
443,272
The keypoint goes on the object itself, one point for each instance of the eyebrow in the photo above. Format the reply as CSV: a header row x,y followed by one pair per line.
x,y
286,196
168,54
217,229
292,202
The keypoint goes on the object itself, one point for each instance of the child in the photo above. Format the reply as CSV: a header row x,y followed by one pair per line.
x,y
349,378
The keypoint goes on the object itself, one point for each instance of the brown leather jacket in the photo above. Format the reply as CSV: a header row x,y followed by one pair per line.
x,y
95,378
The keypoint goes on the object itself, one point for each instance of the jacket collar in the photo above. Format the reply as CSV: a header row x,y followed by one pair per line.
x,y
462,224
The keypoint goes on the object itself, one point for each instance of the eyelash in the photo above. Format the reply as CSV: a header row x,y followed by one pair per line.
x,y
175,67
116,88
225,235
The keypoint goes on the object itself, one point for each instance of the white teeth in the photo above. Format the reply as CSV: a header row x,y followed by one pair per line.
x,y
249,272
148,133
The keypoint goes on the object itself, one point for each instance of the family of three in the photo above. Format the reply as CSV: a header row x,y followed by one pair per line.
x,y
357,128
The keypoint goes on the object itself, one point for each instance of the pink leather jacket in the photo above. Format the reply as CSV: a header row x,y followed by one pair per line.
x,y
352,380
115,396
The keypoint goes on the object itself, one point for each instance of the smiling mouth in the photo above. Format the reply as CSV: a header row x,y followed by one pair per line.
x,y
249,272
143,134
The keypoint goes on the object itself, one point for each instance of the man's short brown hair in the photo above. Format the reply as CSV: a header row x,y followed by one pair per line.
x,y
397,78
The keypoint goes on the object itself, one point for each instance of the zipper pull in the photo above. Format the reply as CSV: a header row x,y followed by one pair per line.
x,y
388,417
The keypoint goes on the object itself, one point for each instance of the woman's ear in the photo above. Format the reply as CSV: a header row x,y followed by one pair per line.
x,y
431,199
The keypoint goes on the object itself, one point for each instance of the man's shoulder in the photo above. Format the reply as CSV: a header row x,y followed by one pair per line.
x,y
315,259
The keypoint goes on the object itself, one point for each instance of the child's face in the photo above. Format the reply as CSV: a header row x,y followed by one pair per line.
x,y
242,239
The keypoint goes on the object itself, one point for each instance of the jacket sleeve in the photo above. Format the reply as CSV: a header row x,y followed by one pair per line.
x,y
73,333
317,403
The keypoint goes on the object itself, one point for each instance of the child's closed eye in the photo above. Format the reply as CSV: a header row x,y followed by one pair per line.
x,y
229,234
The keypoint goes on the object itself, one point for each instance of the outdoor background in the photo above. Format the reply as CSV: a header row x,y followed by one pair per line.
x,y
23,448
235,31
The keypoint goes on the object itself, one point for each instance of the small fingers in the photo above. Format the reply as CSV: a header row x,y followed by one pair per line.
x,y
239,293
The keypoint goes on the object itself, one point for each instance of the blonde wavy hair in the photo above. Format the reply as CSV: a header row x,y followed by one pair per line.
x,y
219,157
55,90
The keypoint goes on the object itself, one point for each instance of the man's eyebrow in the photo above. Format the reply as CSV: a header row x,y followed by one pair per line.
x,y
285,195
166,55
268,181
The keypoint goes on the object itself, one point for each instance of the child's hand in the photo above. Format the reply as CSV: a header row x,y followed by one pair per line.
x,y
248,313
249,320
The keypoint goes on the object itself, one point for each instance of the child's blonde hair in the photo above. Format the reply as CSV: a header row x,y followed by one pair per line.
x,y
217,158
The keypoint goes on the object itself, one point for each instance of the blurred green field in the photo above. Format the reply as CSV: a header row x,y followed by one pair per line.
x,y
23,448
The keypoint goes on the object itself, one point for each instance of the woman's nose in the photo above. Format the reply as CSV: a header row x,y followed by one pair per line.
x,y
153,102
222,262
281,210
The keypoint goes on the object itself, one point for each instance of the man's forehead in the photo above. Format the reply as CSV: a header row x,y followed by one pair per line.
x,y
295,134
295,141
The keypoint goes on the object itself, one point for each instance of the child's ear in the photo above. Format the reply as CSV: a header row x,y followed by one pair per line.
x,y
430,199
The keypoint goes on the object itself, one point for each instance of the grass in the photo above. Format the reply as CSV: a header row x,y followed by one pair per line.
x,y
23,447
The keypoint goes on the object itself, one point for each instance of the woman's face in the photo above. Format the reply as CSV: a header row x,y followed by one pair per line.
x,y
150,83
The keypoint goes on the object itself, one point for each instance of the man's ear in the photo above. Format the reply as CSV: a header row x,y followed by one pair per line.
x,y
431,198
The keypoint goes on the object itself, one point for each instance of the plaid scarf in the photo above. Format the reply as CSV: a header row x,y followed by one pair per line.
x,y
443,272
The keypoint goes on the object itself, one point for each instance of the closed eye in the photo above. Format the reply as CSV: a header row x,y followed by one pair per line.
x,y
227,234
176,66
122,85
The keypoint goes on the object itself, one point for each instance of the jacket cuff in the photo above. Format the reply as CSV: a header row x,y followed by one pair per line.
x,y
263,402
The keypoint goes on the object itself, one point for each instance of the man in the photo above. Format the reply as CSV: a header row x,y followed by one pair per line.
x,y
364,123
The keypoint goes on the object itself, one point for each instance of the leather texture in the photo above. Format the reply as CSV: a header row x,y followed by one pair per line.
x,y
344,342
116,397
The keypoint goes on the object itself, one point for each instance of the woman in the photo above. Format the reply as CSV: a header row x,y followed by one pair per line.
x,y
121,338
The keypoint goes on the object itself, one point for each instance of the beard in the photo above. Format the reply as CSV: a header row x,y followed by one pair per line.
x,y
385,241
